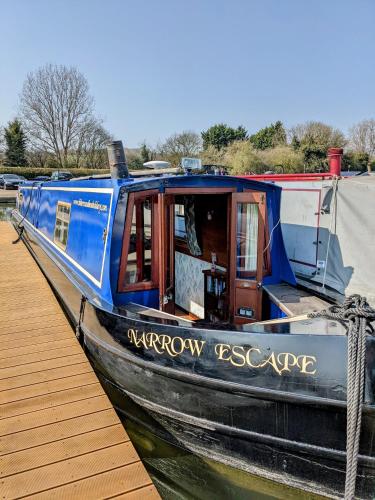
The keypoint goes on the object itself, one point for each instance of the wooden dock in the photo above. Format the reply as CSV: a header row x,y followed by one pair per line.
x,y
59,434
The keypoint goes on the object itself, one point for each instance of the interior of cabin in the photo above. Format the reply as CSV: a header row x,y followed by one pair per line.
x,y
199,254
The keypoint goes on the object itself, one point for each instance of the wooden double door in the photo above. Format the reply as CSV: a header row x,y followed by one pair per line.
x,y
245,250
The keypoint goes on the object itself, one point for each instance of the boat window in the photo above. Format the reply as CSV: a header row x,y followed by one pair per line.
x,y
247,239
62,224
179,221
138,267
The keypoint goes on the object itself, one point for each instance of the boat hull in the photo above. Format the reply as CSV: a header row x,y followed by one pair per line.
x,y
287,426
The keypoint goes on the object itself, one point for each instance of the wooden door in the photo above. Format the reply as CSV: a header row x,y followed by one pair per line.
x,y
166,256
247,222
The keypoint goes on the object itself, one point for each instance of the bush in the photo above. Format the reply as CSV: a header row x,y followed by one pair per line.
x,y
31,173
242,158
283,159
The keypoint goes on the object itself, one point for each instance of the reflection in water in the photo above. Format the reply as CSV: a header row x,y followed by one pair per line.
x,y
6,210
180,474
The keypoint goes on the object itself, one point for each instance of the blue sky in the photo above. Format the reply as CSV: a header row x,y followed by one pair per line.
x,y
159,67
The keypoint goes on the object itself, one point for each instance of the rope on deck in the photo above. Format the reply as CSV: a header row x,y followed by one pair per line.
x,y
356,314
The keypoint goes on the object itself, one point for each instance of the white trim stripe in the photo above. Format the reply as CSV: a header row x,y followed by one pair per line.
x,y
78,190
81,190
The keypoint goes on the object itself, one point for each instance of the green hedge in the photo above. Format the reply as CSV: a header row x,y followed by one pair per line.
x,y
30,173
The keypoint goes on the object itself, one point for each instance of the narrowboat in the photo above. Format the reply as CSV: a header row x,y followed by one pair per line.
x,y
183,296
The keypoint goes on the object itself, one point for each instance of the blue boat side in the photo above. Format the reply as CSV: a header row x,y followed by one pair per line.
x,y
96,228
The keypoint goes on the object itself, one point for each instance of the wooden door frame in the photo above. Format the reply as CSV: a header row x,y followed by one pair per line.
x,y
259,198
133,197
166,245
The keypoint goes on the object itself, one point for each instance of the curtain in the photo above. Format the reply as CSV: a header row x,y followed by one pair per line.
x,y
191,234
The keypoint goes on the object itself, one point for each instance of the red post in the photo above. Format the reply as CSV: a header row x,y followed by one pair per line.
x,y
334,158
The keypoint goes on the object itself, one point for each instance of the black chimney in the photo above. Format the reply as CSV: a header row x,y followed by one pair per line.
x,y
117,161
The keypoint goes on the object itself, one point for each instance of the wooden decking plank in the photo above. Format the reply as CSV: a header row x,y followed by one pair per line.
x,y
59,434
48,387
109,484
74,469
56,451
15,371
44,316
44,376
145,493
59,413
37,325
12,341
9,352
46,401
49,433
40,356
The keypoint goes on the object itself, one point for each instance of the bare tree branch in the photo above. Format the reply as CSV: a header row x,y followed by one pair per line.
x,y
56,106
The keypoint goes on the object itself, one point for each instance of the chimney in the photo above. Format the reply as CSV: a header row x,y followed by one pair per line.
x,y
334,159
117,161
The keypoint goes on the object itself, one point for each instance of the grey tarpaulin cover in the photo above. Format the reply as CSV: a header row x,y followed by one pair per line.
x,y
345,225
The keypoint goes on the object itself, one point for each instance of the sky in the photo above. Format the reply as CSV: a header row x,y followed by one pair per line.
x,y
156,68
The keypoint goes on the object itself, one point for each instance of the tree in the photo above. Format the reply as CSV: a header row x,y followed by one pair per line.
x,y
313,139
55,106
220,135
282,159
241,158
91,150
269,137
15,152
177,146
353,160
362,138
145,153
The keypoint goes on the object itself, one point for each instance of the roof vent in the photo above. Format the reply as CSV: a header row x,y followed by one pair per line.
x,y
117,161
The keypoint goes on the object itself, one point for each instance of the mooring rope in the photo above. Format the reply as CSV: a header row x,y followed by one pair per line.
x,y
356,314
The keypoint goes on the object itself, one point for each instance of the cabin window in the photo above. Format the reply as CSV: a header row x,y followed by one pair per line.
x,y
247,239
137,270
138,267
62,224
179,222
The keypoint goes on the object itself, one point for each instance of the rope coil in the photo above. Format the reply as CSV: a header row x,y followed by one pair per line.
x,y
356,315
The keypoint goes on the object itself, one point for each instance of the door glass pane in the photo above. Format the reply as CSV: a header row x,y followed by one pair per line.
x,y
138,266
131,267
247,239
146,274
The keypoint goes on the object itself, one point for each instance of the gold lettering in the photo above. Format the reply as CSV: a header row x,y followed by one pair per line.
x,y
271,360
240,355
248,360
152,339
288,360
132,334
165,344
237,355
307,361
182,345
223,348
195,346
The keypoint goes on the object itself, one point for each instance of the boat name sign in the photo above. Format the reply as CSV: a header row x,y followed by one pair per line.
x,y
236,355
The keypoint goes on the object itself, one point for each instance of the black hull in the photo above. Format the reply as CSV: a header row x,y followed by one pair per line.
x,y
287,428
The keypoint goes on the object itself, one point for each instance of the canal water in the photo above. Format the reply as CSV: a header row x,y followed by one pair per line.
x,y
181,475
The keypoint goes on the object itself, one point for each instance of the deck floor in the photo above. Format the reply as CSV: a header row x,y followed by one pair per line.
x,y
59,434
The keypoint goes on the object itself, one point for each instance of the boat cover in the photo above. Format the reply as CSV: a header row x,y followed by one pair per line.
x,y
345,233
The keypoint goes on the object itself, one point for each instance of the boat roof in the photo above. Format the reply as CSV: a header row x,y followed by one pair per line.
x,y
144,183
